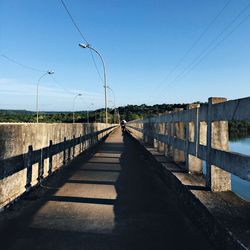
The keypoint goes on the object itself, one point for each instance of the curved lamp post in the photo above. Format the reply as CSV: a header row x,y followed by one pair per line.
x,y
49,72
84,46
74,106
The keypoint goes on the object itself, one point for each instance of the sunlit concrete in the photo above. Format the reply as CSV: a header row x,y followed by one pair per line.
x,y
113,201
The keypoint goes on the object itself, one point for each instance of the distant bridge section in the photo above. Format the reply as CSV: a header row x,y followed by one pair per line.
x,y
197,134
30,152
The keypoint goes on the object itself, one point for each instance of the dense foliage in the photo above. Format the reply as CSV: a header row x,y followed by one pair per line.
x,y
49,117
129,112
132,112
237,127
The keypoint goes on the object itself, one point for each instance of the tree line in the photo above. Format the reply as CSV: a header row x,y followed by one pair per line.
x,y
128,112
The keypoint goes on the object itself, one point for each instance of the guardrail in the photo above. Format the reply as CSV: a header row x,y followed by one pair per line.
x,y
200,133
31,152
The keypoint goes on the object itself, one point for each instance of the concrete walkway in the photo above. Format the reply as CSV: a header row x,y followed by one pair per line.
x,y
112,201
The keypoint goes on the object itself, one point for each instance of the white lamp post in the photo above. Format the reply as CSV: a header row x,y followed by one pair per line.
x,y
84,46
49,72
74,106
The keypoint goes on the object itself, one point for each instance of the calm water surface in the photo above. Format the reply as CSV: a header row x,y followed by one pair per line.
x,y
239,186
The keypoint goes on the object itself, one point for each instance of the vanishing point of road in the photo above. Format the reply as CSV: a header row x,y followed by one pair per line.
x,y
111,200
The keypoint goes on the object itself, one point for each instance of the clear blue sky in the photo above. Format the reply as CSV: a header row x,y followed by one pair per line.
x,y
141,42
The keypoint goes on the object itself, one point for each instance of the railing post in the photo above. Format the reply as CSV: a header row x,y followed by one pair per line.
x,y
50,158
29,168
69,150
145,130
80,143
40,167
149,130
161,130
155,130
193,163
64,150
171,133
217,137
73,148
167,131
179,132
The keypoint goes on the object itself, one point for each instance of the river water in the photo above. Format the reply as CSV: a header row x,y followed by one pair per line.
x,y
240,144
239,186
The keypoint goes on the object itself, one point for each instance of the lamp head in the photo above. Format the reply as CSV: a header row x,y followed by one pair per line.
x,y
84,46
50,72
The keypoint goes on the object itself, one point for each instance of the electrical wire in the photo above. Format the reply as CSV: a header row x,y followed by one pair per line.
x,y
212,49
21,64
62,87
212,45
73,21
69,91
83,37
95,64
195,43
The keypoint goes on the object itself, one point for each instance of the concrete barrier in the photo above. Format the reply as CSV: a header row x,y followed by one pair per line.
x,y
200,133
30,152
178,142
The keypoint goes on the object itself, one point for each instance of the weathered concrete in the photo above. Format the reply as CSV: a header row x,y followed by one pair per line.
x,y
209,142
161,145
115,200
30,152
193,163
223,215
179,132
217,137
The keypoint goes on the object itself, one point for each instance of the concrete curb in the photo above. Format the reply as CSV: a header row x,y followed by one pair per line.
x,y
198,212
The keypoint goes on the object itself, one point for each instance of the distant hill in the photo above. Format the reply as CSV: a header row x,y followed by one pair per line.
x,y
129,112
132,112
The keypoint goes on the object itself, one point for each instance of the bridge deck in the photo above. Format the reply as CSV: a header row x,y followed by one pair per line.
x,y
112,201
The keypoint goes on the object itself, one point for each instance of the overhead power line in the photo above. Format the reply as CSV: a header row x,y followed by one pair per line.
x,y
81,34
73,21
213,44
214,47
21,64
62,87
197,62
72,92
95,64
194,44
214,41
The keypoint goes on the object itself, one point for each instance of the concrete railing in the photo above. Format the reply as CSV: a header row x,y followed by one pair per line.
x,y
30,152
197,134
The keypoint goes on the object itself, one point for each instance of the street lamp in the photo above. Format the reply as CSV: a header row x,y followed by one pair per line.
x,y
49,72
84,46
74,105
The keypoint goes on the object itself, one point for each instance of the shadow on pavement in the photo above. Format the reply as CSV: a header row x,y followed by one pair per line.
x,y
147,216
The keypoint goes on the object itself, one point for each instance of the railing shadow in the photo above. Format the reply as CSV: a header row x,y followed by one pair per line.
x,y
147,208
